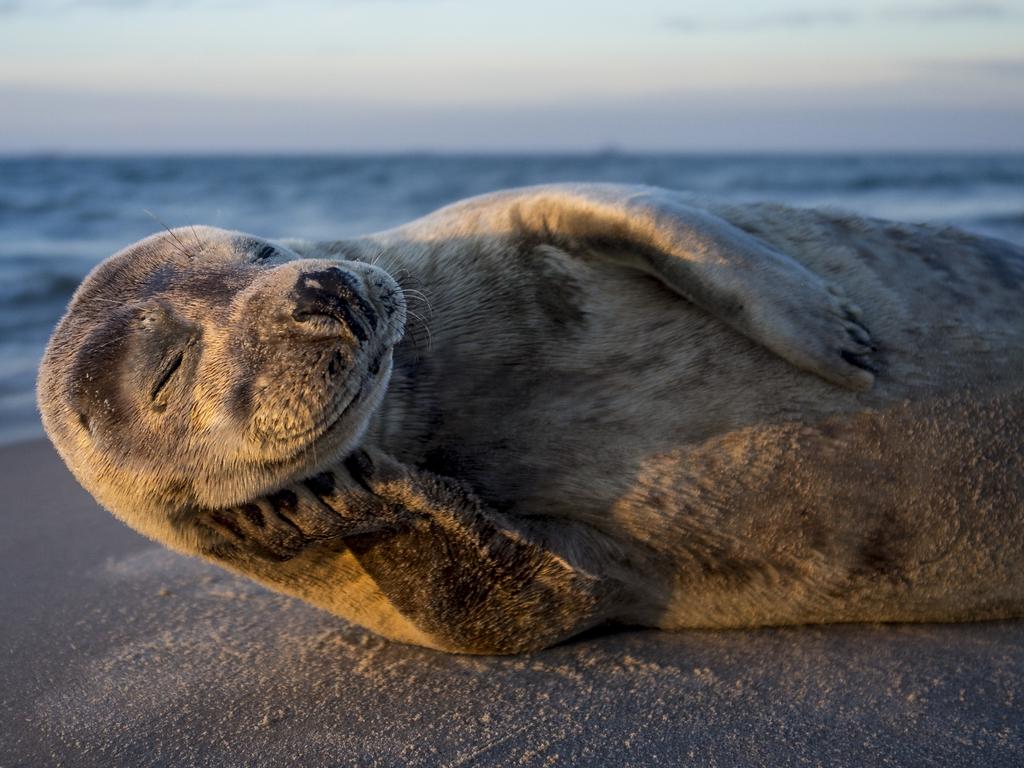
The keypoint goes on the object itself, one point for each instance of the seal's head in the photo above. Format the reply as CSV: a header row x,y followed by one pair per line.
x,y
202,368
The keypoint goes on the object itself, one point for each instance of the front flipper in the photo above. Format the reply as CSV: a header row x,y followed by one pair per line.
x,y
762,293
467,579
283,524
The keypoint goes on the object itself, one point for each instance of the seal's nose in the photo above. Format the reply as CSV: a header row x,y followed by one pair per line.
x,y
335,294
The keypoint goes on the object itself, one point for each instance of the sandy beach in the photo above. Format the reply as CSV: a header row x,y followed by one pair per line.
x,y
117,652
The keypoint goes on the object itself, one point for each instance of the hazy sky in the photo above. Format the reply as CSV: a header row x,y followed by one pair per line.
x,y
173,75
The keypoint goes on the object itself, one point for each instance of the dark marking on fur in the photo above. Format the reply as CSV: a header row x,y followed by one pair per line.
x,y
284,501
214,284
556,292
829,430
240,399
321,485
875,556
360,467
739,572
99,373
224,520
253,514
813,532
881,552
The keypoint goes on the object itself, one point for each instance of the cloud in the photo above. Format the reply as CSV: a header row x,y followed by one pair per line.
x,y
797,18
59,6
948,12
62,6
53,6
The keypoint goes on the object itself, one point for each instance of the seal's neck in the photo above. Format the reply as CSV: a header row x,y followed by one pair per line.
x,y
404,417
410,406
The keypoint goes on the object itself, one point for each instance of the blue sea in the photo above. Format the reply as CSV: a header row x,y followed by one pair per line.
x,y
60,215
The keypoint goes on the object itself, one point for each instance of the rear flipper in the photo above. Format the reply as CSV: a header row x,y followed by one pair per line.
x,y
468,579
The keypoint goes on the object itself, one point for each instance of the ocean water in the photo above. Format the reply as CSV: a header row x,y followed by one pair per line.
x,y
59,216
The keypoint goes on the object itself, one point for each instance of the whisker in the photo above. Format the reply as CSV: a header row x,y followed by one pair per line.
x,y
421,324
420,296
199,243
388,265
181,246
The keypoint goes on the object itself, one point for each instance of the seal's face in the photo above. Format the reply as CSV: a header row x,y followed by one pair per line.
x,y
205,367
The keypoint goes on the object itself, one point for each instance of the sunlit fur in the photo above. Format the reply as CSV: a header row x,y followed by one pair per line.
x,y
610,404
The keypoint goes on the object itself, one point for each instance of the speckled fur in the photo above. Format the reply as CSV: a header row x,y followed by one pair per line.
x,y
609,405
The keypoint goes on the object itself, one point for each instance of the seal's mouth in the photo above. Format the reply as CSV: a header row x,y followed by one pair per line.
x,y
348,414
368,386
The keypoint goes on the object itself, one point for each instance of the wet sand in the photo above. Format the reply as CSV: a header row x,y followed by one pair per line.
x,y
115,652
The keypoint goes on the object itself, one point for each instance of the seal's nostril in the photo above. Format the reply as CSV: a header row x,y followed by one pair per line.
x,y
335,294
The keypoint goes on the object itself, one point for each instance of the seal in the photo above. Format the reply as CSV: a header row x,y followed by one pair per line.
x,y
546,409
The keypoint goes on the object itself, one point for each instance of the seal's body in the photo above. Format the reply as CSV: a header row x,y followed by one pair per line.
x,y
609,404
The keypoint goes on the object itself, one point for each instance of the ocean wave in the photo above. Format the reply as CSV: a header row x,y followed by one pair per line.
x,y
1015,219
39,288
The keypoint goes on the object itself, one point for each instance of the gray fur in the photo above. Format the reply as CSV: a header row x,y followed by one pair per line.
x,y
609,404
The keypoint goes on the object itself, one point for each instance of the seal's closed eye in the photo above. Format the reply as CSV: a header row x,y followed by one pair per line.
x,y
161,342
156,394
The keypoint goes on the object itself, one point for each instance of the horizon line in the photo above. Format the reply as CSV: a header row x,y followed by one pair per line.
x,y
171,152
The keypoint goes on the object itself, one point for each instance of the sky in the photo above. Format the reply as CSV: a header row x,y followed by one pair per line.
x,y
531,75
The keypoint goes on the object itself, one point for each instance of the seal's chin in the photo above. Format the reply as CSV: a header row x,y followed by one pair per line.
x,y
344,429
